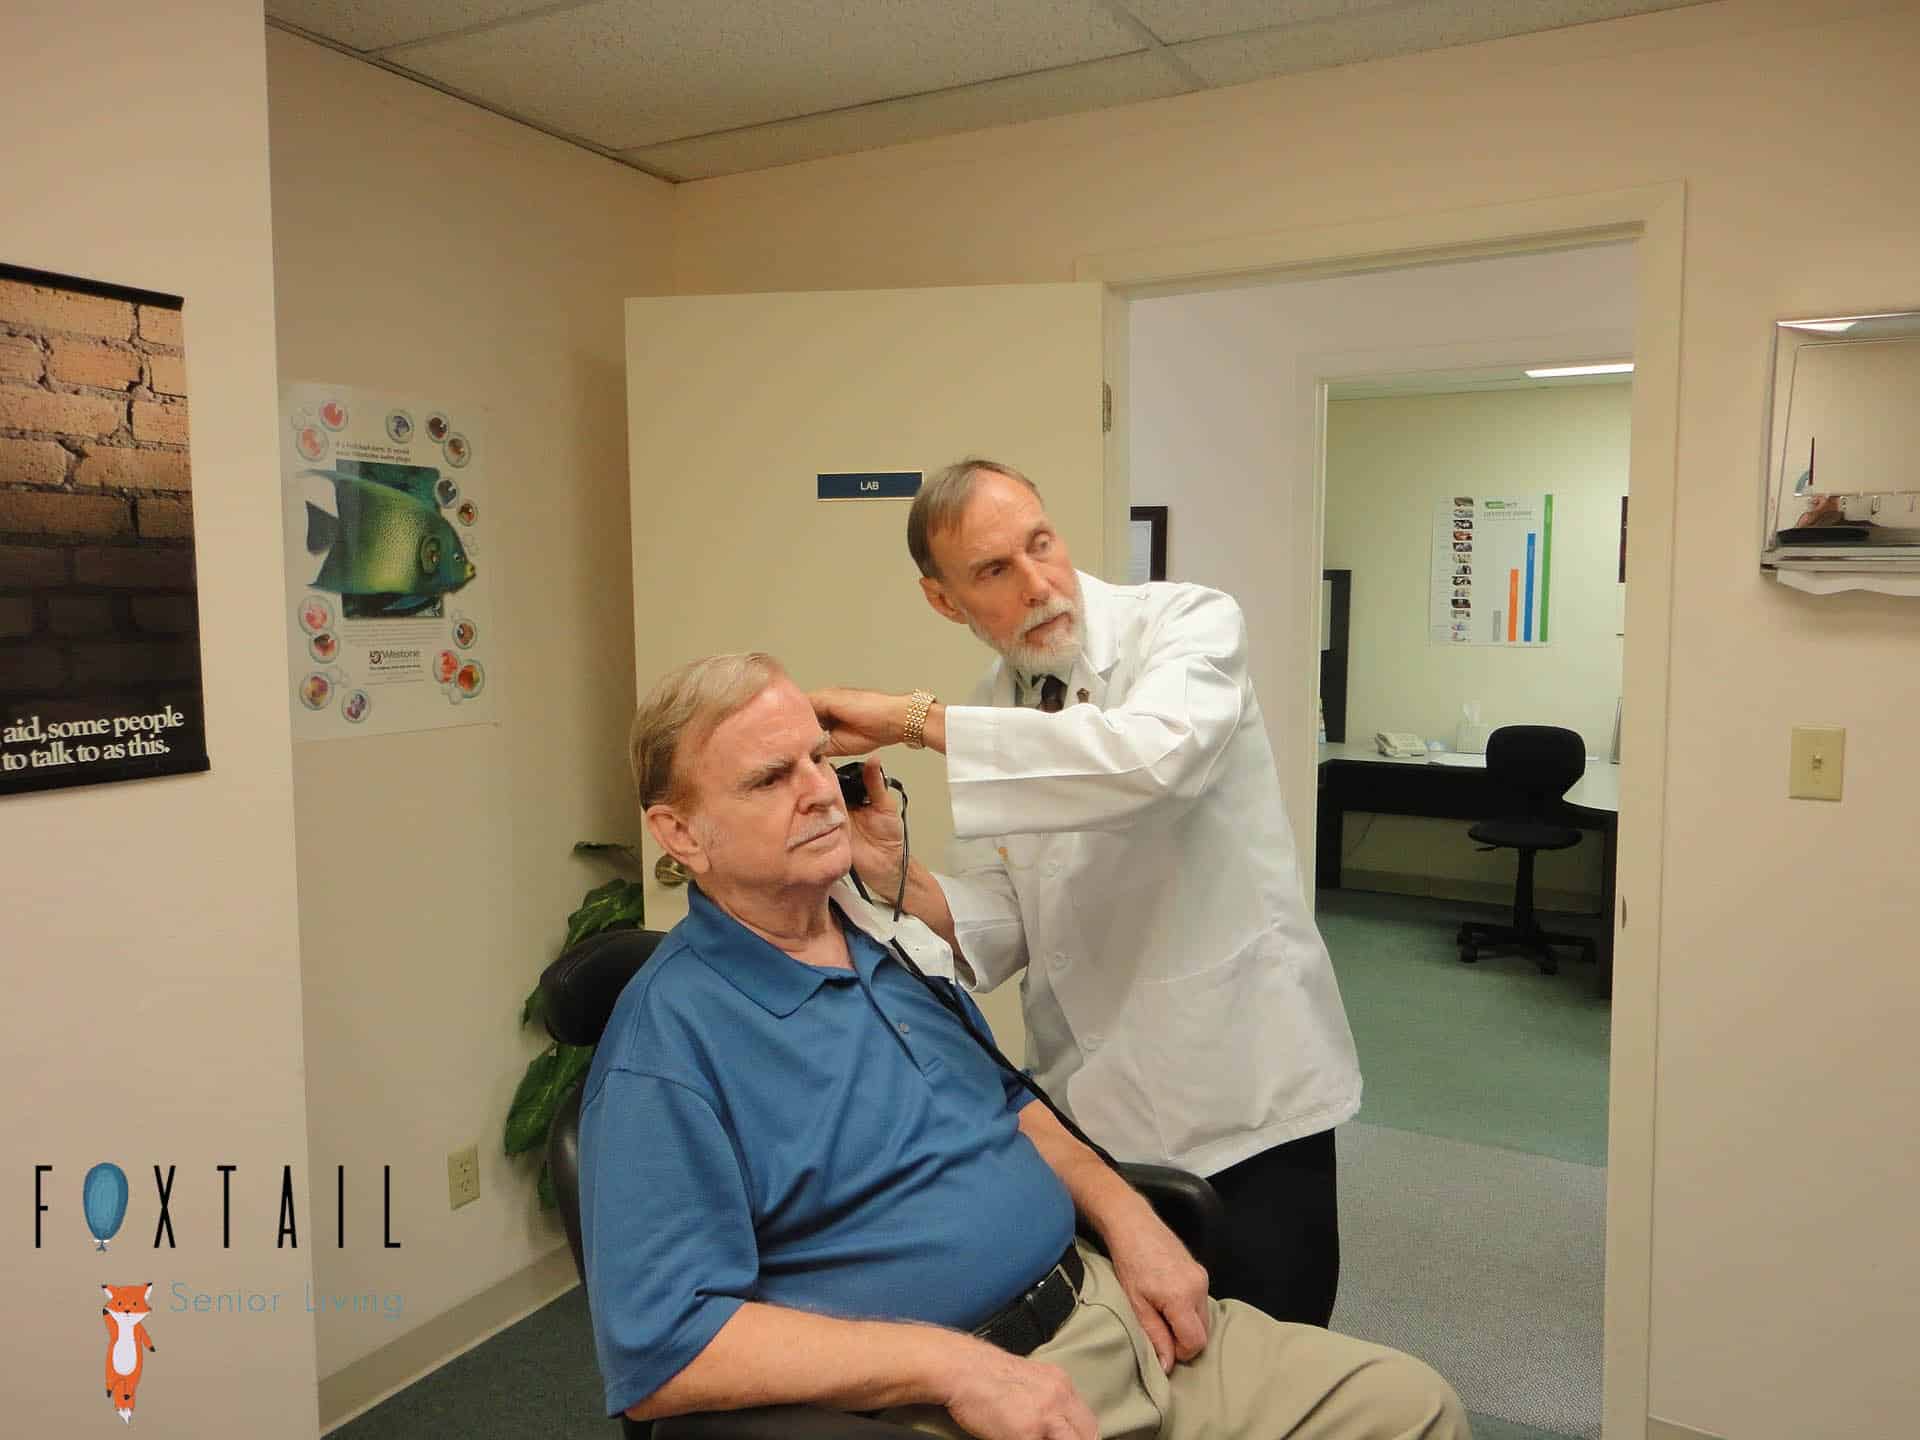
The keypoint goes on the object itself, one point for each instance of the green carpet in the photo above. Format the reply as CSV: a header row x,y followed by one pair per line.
x,y
1493,1053
536,1377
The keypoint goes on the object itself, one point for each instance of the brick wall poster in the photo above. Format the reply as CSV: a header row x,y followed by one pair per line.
x,y
99,620
389,616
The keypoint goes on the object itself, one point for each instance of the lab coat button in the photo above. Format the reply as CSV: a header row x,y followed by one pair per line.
x,y
1093,1042
1051,869
1061,960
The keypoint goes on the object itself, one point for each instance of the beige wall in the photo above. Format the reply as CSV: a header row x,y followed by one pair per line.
x,y
152,1013
1784,1267
1225,424
1389,462
426,246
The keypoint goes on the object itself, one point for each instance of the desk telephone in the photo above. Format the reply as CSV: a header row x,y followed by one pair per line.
x,y
1400,745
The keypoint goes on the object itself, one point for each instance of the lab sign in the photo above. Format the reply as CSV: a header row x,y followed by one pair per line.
x,y
867,485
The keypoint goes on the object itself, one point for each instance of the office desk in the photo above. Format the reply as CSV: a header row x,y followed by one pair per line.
x,y
1355,776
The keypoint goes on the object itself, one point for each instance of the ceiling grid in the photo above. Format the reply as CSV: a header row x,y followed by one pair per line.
x,y
689,89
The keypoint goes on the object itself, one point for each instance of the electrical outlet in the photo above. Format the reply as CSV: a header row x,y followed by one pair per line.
x,y
463,1177
1819,762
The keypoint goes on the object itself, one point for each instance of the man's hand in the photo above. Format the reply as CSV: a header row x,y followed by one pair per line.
x,y
998,1396
860,721
877,834
1167,1288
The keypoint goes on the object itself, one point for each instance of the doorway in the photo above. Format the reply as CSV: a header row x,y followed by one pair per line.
x,y
1292,521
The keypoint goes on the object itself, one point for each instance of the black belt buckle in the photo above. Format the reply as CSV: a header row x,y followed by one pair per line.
x,y
1024,1324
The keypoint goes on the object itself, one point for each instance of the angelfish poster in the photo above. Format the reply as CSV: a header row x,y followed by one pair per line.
x,y
1492,576
388,518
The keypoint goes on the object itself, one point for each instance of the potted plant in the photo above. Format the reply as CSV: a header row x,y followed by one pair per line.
x,y
620,904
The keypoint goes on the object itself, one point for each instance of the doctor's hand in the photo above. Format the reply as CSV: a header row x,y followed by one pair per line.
x,y
877,834
857,721
999,1396
1167,1288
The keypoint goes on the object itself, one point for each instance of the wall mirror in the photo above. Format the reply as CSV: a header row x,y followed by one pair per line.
x,y
1843,458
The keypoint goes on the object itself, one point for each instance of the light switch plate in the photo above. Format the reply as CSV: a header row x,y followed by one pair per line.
x,y
1819,762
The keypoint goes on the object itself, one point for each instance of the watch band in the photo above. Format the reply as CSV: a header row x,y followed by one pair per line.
x,y
914,733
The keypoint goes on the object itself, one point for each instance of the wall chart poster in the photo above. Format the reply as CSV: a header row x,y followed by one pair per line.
x,y
99,597
388,520
1492,571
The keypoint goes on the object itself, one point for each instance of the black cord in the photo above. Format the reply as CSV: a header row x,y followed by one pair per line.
x,y
985,1042
949,1000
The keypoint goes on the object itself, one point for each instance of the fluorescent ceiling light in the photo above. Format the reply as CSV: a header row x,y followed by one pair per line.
x,y
1832,327
1625,367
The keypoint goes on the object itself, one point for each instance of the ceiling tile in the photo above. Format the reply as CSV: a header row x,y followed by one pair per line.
x,y
1175,20
1092,86
1403,30
628,73
376,24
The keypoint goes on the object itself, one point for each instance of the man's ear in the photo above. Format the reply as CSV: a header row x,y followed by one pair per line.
x,y
937,597
674,833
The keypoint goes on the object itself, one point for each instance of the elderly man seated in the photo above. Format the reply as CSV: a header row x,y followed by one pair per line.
x,y
803,1181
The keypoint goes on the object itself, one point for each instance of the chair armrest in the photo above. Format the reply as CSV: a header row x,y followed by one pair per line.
x,y
1189,1205
778,1422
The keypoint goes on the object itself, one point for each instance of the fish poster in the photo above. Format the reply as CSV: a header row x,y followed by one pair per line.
x,y
389,617
1492,576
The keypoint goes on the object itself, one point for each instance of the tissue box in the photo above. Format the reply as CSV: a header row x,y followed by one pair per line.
x,y
1471,739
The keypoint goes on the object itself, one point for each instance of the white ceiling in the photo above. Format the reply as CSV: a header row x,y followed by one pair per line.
x,y
686,89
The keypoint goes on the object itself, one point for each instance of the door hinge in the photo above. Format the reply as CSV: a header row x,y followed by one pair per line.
x,y
1106,407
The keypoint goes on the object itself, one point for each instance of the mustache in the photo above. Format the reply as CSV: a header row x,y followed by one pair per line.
x,y
1046,610
829,822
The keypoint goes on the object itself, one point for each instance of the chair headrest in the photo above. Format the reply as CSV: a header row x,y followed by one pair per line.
x,y
1541,760
580,988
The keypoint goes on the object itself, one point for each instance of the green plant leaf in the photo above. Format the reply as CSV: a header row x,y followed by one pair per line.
x,y
535,1007
549,1198
549,1077
602,847
617,905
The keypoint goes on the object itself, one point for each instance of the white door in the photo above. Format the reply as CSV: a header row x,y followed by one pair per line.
x,y
736,403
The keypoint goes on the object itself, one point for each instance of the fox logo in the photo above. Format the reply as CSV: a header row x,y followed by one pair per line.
x,y
124,1313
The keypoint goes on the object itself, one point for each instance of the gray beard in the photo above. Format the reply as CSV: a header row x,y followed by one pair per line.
x,y
1036,659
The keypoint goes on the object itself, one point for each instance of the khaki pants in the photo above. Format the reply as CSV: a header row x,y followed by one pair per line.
x,y
1258,1379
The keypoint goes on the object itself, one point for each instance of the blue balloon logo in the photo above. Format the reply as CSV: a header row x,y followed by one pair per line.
x,y
104,1198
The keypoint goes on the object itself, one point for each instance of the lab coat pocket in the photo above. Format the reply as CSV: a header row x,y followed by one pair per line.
x,y
1209,1042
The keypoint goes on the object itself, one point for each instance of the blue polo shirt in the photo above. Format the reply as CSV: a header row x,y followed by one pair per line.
x,y
755,1128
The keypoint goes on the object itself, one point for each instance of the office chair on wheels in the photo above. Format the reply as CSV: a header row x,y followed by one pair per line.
x,y
579,990
1533,765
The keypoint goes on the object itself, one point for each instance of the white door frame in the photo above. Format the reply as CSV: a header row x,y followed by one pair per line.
x,y
1653,217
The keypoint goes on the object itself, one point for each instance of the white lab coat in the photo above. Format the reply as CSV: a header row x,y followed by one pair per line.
x,y
1131,855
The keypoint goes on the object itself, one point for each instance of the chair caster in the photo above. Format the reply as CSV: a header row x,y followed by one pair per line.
x,y
1548,965
1468,954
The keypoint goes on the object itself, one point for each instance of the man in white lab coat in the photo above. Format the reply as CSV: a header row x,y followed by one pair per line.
x,y
1122,845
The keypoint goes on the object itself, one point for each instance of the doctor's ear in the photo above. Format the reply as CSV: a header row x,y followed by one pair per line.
x,y
678,836
937,597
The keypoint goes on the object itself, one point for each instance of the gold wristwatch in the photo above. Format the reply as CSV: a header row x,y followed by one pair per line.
x,y
914,733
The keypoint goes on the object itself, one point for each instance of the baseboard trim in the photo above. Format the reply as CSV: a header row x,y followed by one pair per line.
x,y
357,1388
1474,892
1658,1429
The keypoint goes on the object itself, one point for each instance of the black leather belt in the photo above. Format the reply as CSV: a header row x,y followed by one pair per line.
x,y
1028,1322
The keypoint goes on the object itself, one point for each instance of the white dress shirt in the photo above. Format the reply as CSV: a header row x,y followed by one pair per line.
x,y
1131,856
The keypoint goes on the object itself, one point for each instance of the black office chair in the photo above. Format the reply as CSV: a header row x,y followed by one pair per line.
x,y
579,990
1532,766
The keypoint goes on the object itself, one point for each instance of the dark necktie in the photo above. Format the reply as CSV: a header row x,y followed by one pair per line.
x,y
1053,693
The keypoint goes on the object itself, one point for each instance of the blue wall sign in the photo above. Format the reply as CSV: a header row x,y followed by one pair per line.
x,y
870,485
